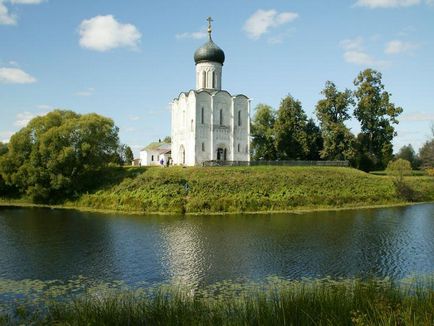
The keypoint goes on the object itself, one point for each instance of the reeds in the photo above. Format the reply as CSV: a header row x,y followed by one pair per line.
x,y
274,302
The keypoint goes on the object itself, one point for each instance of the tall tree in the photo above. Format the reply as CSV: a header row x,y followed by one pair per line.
x,y
55,155
290,130
333,111
376,115
314,140
426,152
263,146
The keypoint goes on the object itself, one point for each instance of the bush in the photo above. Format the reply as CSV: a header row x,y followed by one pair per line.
x,y
399,168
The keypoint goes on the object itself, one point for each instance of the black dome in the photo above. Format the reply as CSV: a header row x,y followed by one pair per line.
x,y
209,52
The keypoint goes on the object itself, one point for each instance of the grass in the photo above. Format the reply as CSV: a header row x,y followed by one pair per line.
x,y
244,189
275,302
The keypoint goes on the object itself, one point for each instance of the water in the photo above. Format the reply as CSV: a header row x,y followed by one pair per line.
x,y
50,244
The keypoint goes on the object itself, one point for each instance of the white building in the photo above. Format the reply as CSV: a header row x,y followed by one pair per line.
x,y
154,153
209,123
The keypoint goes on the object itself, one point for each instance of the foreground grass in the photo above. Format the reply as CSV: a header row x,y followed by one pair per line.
x,y
275,302
244,189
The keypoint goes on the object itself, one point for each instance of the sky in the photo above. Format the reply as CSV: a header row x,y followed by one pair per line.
x,y
129,59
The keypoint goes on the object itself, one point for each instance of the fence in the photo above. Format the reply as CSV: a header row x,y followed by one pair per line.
x,y
277,163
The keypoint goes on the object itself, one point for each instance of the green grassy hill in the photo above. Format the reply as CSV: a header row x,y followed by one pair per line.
x,y
245,189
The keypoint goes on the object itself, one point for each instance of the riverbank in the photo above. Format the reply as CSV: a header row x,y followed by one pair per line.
x,y
273,302
259,189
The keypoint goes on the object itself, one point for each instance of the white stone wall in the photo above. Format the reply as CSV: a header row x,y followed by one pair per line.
x,y
202,134
209,75
146,158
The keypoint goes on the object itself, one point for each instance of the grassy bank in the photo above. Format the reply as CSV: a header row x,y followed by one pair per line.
x,y
244,189
275,302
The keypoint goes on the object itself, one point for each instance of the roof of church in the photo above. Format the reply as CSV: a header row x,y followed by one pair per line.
x,y
209,51
160,147
209,91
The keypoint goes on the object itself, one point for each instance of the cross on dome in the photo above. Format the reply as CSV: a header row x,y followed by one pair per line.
x,y
209,19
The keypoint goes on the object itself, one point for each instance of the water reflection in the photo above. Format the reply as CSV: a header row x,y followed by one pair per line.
x,y
56,244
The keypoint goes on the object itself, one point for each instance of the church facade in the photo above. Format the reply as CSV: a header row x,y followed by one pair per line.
x,y
209,123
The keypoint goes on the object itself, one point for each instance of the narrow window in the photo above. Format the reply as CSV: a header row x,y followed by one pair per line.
x,y
202,116
192,125
152,158
221,117
239,118
213,79
203,79
238,148
203,147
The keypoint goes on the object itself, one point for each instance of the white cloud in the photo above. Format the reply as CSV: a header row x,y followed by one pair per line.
x,y
194,35
355,44
5,136
23,119
355,53
44,107
87,92
359,58
27,2
263,20
15,76
387,3
133,117
280,38
5,17
418,116
396,47
104,33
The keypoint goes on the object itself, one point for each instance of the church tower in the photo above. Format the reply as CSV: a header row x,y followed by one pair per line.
x,y
209,59
208,123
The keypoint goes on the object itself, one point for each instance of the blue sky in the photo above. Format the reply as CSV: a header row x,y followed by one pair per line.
x,y
129,59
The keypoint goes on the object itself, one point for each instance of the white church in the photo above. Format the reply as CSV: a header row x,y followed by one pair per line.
x,y
208,123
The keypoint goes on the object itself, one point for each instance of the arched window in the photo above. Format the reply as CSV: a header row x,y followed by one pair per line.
x,y
203,147
203,79
221,117
213,79
152,158
239,118
239,148
202,115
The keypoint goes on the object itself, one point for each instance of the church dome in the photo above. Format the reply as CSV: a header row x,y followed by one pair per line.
x,y
209,52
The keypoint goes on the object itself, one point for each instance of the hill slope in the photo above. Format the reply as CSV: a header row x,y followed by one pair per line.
x,y
247,189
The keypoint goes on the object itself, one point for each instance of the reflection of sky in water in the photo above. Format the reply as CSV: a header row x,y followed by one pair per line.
x,y
56,244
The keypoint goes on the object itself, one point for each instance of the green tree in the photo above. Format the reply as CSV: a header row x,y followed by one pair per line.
x,y
290,130
426,154
167,140
263,145
314,140
376,115
399,168
407,153
55,155
129,156
333,111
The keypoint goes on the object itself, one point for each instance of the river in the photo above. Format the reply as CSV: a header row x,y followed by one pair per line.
x,y
51,244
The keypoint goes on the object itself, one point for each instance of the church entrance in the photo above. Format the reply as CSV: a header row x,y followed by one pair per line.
x,y
221,154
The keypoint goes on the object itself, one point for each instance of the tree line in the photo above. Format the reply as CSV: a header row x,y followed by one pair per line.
x,y
59,155
287,134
